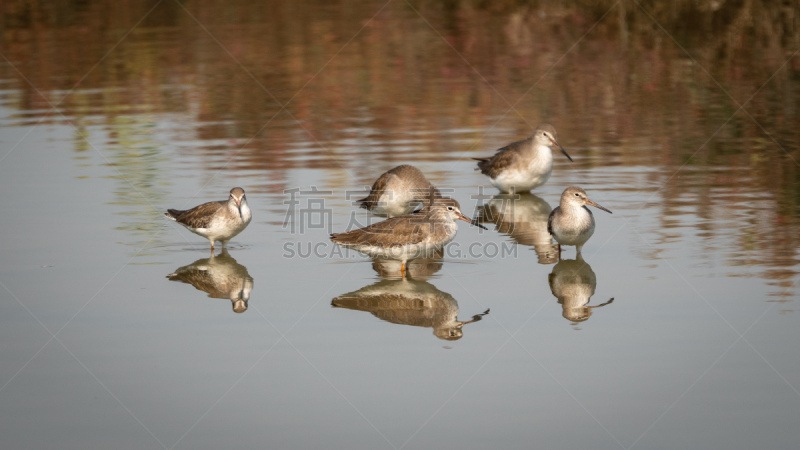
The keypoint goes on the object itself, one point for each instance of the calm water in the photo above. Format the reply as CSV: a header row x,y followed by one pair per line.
x,y
687,129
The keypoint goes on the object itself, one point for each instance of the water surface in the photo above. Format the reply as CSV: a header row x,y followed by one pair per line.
x,y
681,121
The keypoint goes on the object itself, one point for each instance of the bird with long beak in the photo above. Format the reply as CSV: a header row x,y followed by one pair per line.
x,y
408,237
216,221
523,165
571,222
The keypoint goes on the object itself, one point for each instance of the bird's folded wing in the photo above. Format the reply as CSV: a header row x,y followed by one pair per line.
x,y
199,216
396,231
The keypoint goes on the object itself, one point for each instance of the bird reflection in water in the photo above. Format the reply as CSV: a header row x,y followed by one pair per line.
x,y
573,282
221,277
409,302
523,217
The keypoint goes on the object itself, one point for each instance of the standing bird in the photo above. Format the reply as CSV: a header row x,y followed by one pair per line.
x,y
398,192
216,221
523,165
408,237
571,223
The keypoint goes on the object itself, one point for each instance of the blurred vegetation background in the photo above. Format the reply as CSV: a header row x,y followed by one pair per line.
x,y
702,93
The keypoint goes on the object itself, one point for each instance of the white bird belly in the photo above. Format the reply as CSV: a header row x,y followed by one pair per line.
x,y
223,228
574,235
525,178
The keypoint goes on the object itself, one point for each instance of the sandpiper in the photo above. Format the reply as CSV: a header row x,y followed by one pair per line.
x,y
523,165
216,221
571,223
398,192
408,237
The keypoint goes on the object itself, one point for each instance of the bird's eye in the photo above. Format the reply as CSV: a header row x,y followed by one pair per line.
x,y
449,208
577,194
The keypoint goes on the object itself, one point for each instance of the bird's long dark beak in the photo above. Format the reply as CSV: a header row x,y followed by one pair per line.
x,y
475,318
589,202
239,207
467,219
562,149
